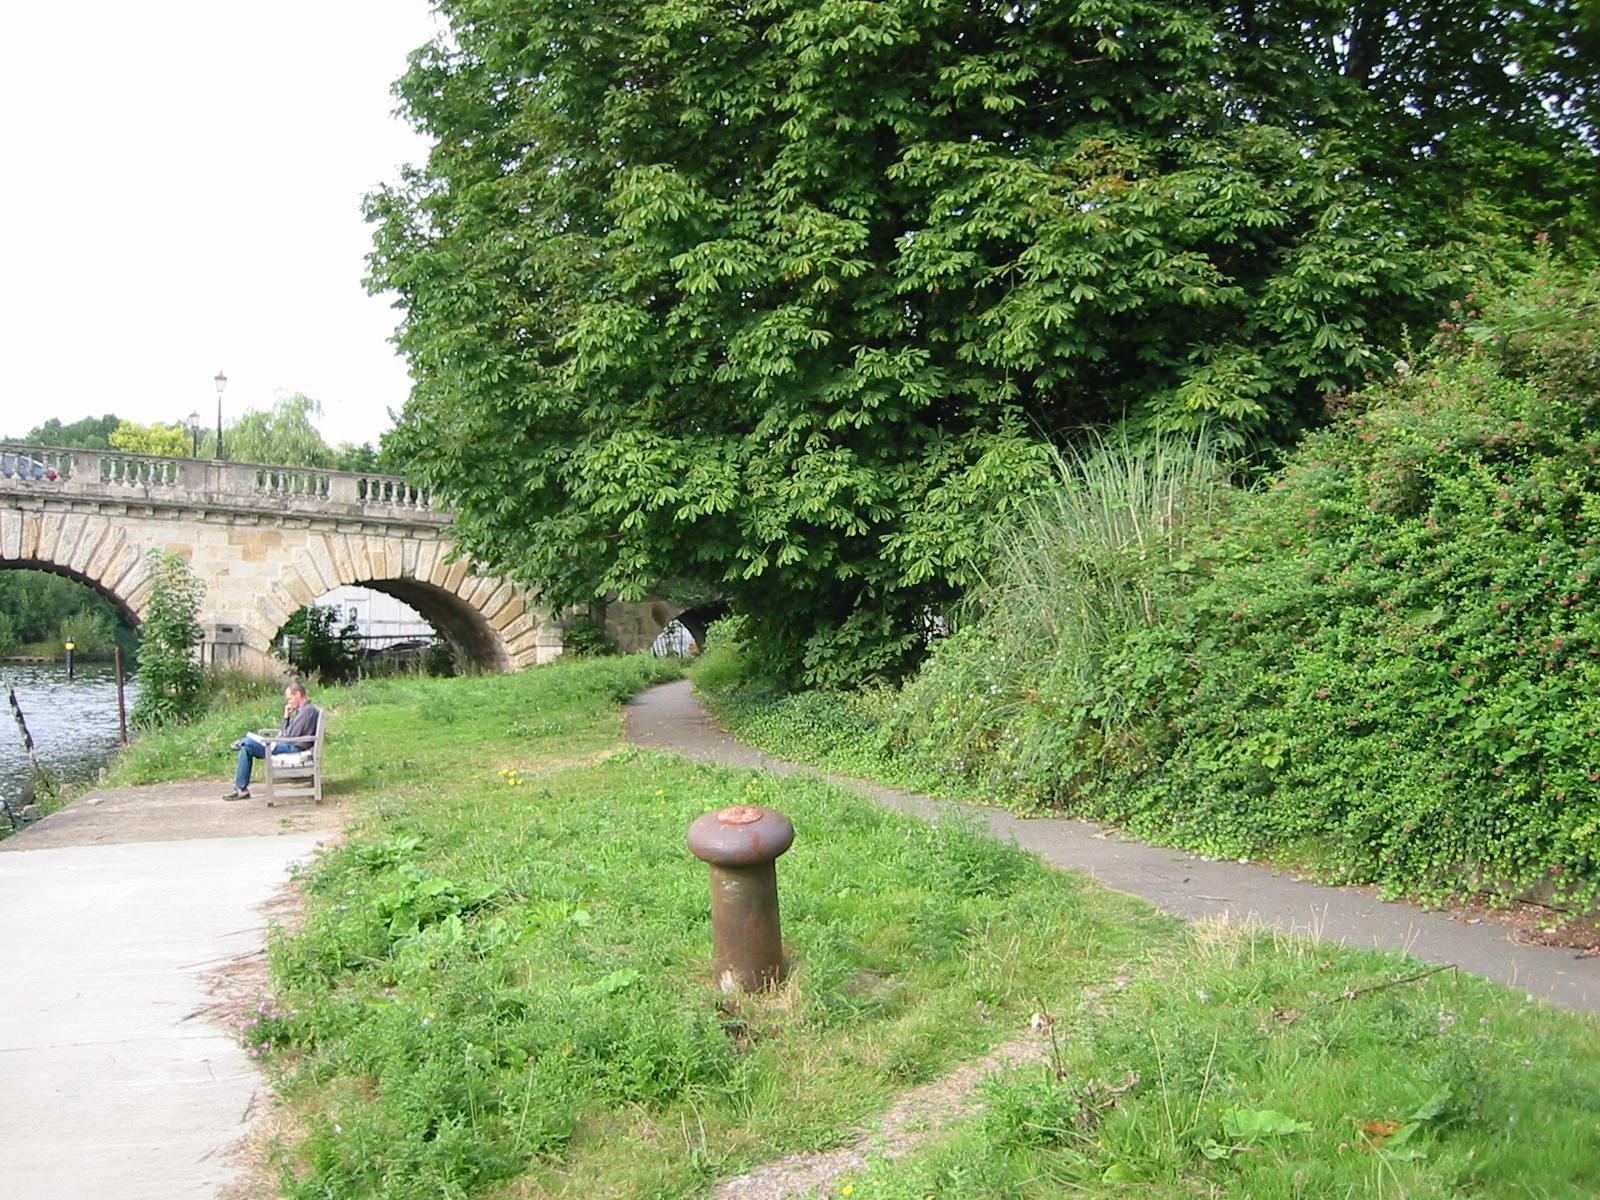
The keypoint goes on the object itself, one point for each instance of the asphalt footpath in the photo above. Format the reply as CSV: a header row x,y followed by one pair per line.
x,y
670,717
116,913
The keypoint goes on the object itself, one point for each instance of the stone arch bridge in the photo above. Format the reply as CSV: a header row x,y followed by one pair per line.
x,y
267,540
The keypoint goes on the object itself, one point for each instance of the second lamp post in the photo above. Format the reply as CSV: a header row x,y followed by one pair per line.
x,y
221,381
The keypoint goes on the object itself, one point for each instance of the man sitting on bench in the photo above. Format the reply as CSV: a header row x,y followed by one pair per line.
x,y
299,721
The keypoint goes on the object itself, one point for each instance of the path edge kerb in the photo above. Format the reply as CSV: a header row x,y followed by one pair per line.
x,y
670,717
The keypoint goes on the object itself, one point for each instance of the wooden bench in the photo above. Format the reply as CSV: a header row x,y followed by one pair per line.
x,y
296,774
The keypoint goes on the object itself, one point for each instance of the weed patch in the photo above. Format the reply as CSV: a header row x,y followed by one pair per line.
x,y
1242,1064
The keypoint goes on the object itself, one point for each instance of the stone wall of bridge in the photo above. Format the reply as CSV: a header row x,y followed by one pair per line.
x,y
266,541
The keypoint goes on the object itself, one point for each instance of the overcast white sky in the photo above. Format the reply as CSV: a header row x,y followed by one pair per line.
x,y
183,193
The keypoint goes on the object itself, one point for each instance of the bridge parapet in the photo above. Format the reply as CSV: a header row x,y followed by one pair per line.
x,y
210,483
267,541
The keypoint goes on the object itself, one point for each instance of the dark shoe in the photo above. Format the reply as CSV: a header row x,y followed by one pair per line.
x,y
238,794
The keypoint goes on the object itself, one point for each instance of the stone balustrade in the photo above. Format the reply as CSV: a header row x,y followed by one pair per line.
x,y
213,484
267,541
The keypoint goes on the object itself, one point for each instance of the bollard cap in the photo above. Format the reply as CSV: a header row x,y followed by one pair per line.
x,y
740,836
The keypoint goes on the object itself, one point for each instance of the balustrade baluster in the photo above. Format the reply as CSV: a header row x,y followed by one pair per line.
x,y
116,470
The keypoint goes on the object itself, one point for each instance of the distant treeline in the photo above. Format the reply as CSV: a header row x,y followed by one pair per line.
x,y
41,612
284,435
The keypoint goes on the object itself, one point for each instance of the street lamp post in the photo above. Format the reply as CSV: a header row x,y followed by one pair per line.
x,y
221,381
194,433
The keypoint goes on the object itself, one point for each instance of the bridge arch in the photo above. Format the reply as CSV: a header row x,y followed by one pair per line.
x,y
88,548
487,620
265,541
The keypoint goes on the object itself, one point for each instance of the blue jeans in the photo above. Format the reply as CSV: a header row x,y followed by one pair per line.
x,y
248,753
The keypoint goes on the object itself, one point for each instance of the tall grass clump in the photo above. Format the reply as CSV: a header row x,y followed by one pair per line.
x,y
1091,559
1390,663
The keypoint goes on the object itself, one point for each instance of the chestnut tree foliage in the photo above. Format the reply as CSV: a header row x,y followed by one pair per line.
x,y
790,298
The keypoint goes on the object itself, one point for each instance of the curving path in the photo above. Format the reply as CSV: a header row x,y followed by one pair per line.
x,y
669,717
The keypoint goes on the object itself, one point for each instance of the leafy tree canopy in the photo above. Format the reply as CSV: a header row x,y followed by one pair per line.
x,y
91,433
286,435
789,297
39,609
348,456
150,439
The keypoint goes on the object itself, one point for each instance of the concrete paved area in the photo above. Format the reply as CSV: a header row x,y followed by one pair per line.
x,y
669,717
169,812
111,916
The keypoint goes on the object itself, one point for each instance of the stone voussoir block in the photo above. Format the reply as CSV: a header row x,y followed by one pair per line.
x,y
28,546
95,532
11,523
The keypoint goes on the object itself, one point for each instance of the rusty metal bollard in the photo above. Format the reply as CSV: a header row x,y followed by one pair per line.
x,y
742,845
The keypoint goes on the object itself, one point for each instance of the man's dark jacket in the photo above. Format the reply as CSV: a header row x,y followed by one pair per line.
x,y
302,722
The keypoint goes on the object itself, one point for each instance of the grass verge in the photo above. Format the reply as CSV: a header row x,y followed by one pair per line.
x,y
1240,1064
499,988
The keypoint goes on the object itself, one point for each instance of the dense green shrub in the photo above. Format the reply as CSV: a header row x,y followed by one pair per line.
x,y
586,638
721,665
170,676
1396,658
1393,656
1083,566
1385,661
319,646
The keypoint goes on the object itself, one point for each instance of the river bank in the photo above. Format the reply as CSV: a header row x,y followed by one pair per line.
x,y
55,657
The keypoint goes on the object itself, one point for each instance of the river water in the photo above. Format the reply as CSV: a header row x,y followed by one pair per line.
x,y
74,723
